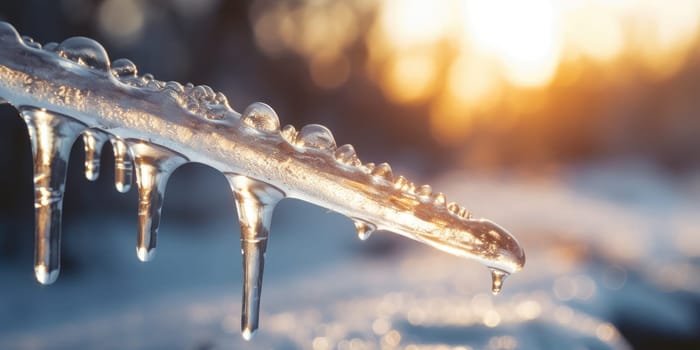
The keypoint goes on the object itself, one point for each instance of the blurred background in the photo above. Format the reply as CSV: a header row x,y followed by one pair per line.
x,y
572,123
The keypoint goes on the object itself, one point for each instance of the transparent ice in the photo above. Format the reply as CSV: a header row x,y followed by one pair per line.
x,y
68,90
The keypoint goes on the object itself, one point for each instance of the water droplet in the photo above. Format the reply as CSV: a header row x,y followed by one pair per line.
x,y
155,84
464,213
400,182
153,166
316,136
29,41
255,202
124,68
345,154
198,92
84,51
410,188
497,278
364,229
8,33
453,208
221,99
440,199
51,46
52,136
424,192
369,167
93,141
262,117
175,86
383,171
123,165
208,92
289,133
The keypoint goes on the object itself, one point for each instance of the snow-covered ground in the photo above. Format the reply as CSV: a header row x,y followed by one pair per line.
x,y
610,248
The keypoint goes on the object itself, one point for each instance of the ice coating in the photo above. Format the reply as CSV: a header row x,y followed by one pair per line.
x,y
155,126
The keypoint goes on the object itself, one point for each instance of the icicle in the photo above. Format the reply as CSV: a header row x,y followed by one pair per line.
x,y
364,229
93,141
52,136
153,165
123,165
497,278
255,202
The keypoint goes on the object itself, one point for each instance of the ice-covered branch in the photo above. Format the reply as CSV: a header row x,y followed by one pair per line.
x,y
71,89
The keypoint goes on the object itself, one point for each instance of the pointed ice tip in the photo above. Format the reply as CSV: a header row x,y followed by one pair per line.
x,y
44,276
144,254
122,187
247,333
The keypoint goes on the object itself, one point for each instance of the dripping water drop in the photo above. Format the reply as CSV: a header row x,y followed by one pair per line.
x,y
364,229
497,278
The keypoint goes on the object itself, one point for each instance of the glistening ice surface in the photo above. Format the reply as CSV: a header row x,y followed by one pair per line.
x,y
72,89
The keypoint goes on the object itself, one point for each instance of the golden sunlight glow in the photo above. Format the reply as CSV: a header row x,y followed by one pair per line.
x,y
413,22
466,58
593,32
522,35
410,78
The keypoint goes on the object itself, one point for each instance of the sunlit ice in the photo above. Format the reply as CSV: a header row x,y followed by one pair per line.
x,y
468,60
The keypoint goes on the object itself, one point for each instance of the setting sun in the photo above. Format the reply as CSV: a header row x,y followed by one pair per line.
x,y
472,60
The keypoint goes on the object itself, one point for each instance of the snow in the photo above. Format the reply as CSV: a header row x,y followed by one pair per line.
x,y
607,245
